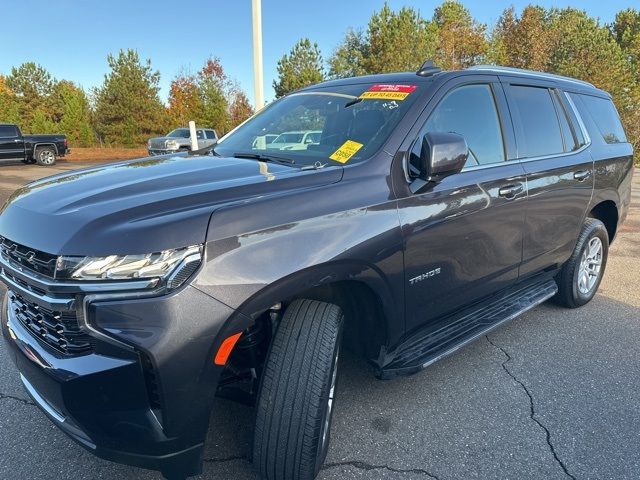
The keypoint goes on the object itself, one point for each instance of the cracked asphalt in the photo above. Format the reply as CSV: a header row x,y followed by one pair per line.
x,y
553,394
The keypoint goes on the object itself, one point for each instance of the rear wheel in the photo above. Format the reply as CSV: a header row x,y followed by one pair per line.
x,y
580,277
296,399
45,156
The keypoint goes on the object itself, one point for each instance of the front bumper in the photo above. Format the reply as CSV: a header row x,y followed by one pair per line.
x,y
160,151
143,395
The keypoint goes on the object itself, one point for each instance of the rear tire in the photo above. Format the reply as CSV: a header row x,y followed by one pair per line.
x,y
45,156
580,277
295,403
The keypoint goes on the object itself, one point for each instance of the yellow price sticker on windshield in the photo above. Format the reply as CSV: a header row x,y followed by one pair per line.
x,y
346,151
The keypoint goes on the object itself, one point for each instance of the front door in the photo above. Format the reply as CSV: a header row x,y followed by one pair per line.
x,y
11,144
463,236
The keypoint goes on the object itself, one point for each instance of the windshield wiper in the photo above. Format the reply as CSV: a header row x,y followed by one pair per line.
x,y
352,102
265,157
205,150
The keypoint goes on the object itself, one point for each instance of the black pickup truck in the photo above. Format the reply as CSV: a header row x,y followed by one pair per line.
x,y
41,149
433,207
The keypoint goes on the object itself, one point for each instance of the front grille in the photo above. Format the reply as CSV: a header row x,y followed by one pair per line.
x,y
34,260
58,330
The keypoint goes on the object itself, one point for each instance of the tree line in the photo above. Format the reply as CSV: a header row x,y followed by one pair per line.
x,y
566,41
126,109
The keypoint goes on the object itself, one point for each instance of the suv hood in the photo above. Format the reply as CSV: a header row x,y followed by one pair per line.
x,y
142,206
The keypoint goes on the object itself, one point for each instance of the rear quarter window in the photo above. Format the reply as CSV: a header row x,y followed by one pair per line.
x,y
604,116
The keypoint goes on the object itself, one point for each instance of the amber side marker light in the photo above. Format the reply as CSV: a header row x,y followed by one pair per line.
x,y
225,349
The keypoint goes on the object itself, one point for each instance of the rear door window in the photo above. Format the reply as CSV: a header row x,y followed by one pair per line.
x,y
470,111
538,127
8,131
211,135
604,114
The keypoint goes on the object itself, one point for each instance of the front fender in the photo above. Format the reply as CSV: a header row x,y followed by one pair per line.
x,y
251,272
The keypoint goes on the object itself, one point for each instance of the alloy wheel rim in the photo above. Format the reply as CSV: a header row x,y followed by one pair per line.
x,y
46,157
590,266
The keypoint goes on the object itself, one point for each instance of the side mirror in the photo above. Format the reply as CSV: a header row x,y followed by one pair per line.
x,y
441,154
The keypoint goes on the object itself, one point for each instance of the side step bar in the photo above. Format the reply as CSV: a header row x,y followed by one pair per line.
x,y
449,334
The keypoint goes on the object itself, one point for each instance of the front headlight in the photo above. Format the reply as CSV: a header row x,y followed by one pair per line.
x,y
173,266
171,144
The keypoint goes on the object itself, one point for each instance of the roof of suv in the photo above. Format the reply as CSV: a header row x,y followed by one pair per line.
x,y
412,77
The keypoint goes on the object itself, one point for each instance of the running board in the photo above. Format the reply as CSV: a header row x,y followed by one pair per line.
x,y
455,331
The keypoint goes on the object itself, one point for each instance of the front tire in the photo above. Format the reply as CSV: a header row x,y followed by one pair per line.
x,y
295,403
45,156
580,277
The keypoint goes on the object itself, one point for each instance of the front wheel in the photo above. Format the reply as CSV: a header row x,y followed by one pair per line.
x,y
580,277
45,156
296,399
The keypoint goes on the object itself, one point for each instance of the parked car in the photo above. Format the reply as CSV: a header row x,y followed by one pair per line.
x,y
295,140
261,141
179,140
41,149
434,207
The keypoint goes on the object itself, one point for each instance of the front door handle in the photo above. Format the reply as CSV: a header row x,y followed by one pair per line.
x,y
510,191
582,175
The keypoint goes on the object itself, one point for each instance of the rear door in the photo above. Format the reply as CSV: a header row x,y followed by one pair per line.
x,y
11,144
463,236
553,150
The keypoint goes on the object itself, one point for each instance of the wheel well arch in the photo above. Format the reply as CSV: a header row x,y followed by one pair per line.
x,y
365,322
37,145
368,325
607,212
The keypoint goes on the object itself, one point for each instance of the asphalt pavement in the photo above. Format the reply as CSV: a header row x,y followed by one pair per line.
x,y
551,395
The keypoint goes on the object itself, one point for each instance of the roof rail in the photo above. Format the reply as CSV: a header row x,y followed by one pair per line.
x,y
428,68
532,73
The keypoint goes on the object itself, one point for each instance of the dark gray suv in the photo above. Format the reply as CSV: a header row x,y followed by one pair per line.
x,y
433,207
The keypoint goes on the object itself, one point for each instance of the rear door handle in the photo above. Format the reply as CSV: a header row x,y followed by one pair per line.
x,y
510,191
582,175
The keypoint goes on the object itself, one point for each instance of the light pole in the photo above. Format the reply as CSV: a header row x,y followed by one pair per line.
x,y
257,54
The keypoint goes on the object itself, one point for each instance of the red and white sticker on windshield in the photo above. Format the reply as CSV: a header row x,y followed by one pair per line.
x,y
388,92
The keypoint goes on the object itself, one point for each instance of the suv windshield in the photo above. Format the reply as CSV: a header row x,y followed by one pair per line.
x,y
341,124
179,133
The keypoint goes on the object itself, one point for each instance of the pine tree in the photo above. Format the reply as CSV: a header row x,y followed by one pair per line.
x,y
214,85
73,114
127,107
300,68
348,58
397,42
32,85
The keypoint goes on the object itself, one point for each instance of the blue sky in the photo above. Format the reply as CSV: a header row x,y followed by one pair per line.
x,y
72,38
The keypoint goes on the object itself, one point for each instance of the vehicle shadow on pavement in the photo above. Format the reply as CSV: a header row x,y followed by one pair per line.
x,y
467,416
